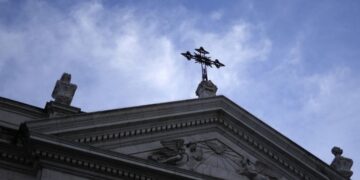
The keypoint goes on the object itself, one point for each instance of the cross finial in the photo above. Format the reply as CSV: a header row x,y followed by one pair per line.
x,y
200,56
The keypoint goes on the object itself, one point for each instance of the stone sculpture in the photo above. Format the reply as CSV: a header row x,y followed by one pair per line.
x,y
340,163
195,152
206,155
64,91
206,89
254,171
173,152
176,152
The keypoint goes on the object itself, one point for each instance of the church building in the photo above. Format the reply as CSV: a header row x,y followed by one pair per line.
x,y
209,137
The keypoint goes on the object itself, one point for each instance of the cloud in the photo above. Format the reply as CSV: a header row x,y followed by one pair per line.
x,y
236,48
317,110
121,57
295,53
216,15
332,112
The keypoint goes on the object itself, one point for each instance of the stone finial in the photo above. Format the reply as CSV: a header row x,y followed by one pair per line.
x,y
340,163
64,91
206,89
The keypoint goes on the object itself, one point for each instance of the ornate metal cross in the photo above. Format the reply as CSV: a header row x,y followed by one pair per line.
x,y
200,57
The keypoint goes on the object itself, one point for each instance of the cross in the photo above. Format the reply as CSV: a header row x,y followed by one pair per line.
x,y
200,57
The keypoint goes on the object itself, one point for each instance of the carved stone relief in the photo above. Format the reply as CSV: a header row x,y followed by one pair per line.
x,y
213,158
173,152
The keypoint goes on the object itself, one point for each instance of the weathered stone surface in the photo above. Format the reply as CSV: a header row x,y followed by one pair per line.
x,y
206,89
341,164
13,175
172,153
210,157
64,91
55,109
49,174
13,113
63,94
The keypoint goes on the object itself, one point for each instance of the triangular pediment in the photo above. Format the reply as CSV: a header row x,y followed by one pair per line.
x,y
208,153
232,142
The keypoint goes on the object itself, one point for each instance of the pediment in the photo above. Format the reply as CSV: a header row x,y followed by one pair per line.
x,y
208,153
211,124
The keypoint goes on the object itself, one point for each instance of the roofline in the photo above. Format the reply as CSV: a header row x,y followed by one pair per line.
x,y
22,108
131,108
88,149
295,146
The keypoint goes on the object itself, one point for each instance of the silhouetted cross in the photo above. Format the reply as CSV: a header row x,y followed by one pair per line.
x,y
200,57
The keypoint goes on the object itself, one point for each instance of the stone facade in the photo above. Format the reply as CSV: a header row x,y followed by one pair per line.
x,y
207,138
204,138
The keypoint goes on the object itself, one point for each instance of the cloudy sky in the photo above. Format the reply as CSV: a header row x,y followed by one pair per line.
x,y
294,64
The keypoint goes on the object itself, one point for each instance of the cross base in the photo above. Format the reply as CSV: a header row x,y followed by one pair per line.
x,y
206,89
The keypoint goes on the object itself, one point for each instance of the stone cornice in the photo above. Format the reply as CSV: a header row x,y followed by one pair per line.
x,y
280,156
22,108
126,115
146,128
233,118
280,141
104,161
88,159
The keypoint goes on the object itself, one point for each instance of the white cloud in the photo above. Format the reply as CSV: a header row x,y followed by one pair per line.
x,y
317,110
332,111
125,57
295,54
216,15
236,48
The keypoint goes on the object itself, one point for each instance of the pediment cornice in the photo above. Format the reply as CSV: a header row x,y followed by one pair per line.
x,y
126,115
22,108
122,125
50,151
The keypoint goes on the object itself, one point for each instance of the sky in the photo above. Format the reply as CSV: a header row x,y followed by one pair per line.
x,y
293,64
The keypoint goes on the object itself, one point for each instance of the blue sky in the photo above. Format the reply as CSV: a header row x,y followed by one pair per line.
x,y
294,64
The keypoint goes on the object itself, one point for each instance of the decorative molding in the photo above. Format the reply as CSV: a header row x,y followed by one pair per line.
x,y
264,149
126,115
211,157
90,165
21,108
166,126
244,128
227,124
39,154
16,158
